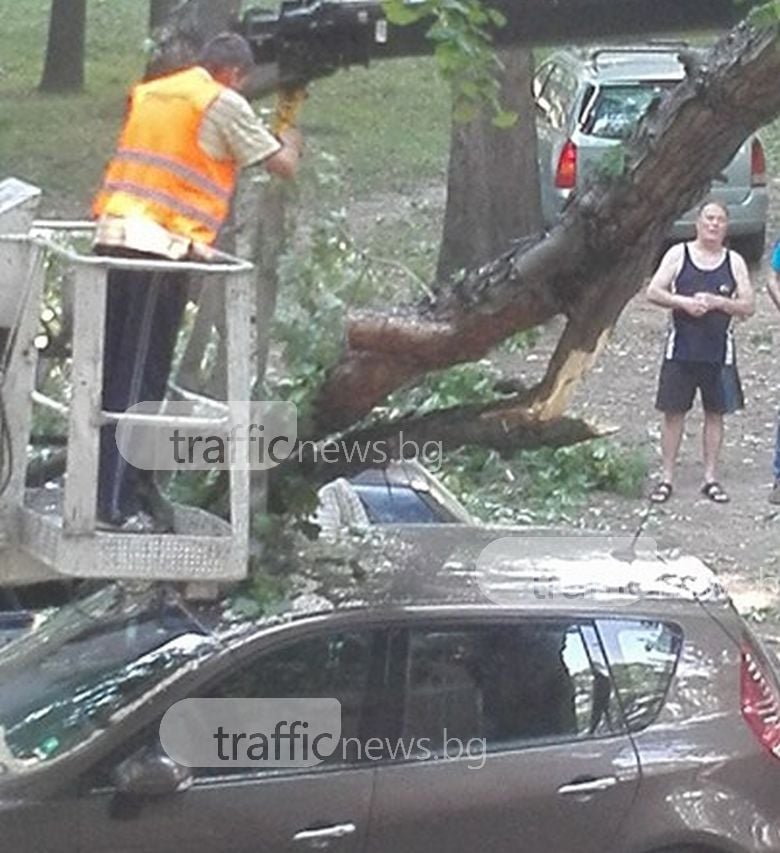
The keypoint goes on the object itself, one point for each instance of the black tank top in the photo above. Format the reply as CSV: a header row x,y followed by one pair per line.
x,y
706,338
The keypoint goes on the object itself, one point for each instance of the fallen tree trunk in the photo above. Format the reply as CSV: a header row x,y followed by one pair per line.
x,y
505,426
590,265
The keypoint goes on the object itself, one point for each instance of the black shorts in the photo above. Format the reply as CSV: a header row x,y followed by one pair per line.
x,y
721,390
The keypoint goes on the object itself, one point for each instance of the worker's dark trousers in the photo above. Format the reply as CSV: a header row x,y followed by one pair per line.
x,y
143,315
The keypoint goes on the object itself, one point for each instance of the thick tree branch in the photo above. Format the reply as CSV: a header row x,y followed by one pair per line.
x,y
591,264
506,426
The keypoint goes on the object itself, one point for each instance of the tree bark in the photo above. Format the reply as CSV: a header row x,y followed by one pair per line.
x,y
590,265
505,426
493,194
180,28
64,65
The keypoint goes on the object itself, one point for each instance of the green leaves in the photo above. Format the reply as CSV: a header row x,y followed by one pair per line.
x,y
318,285
463,48
766,15
455,386
542,486
612,164
402,12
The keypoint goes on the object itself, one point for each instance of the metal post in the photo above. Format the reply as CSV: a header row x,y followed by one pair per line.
x,y
86,401
240,322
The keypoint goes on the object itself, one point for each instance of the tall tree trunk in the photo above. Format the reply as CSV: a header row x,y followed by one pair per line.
x,y
64,65
493,194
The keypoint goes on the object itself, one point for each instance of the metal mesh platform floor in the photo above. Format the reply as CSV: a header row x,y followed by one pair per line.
x,y
201,548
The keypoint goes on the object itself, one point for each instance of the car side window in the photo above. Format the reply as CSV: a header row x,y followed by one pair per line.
x,y
643,656
509,684
556,96
537,86
344,665
335,666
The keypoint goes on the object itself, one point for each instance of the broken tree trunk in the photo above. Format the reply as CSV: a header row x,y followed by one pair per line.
x,y
593,261
506,426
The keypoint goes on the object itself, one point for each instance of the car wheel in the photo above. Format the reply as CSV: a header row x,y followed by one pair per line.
x,y
751,247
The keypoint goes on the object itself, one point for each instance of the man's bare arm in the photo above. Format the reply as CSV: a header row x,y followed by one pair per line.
x,y
659,291
773,288
743,303
285,162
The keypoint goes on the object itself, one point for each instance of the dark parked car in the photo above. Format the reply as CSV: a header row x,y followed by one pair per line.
x,y
609,704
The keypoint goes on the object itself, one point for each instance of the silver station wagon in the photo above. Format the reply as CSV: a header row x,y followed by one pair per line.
x,y
588,101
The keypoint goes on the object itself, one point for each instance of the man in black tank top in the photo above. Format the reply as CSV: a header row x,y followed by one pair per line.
x,y
704,285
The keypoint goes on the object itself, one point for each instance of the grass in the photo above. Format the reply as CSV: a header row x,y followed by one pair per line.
x,y
386,126
61,142
384,129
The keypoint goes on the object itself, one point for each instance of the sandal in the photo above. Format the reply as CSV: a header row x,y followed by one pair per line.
x,y
661,493
715,492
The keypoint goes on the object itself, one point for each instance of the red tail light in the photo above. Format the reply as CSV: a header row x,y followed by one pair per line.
x,y
566,173
757,165
760,699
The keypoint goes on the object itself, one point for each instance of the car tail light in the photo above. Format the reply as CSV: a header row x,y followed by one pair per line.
x,y
566,173
757,165
760,699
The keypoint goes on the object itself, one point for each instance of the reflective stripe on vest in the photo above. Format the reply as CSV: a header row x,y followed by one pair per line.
x,y
159,171
130,155
165,199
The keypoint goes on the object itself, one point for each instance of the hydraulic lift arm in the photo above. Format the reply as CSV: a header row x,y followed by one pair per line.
x,y
304,40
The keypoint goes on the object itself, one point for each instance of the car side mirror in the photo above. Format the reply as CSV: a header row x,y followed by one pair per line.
x,y
151,774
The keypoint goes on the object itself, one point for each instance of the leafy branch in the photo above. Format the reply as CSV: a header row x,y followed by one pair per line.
x,y
463,50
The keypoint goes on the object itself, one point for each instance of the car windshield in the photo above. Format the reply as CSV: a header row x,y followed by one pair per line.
x,y
63,683
617,109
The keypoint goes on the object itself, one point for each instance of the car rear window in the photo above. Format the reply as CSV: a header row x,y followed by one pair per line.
x,y
392,504
643,655
510,684
617,109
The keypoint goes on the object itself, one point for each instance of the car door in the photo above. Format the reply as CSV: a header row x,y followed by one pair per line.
x,y
251,810
510,741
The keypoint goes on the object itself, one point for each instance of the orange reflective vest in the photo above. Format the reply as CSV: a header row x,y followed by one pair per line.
x,y
159,171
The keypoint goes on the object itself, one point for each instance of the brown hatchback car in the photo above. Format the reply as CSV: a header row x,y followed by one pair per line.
x,y
606,702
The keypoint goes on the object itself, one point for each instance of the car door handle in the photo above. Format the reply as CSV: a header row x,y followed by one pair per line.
x,y
321,837
587,786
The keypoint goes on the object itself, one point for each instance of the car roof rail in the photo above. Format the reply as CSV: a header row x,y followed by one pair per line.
x,y
654,46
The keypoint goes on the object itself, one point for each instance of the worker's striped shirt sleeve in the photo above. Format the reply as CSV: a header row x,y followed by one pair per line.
x,y
231,130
